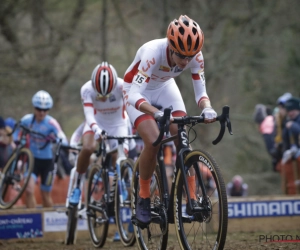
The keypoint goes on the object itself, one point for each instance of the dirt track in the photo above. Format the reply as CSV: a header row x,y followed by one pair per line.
x,y
234,241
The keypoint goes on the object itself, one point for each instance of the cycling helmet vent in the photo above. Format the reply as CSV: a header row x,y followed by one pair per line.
x,y
42,100
185,36
104,78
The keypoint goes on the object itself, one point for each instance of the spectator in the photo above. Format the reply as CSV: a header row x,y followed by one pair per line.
x,y
237,187
10,122
280,120
262,116
6,143
291,156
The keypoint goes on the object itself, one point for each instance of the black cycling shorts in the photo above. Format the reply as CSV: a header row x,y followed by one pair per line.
x,y
44,168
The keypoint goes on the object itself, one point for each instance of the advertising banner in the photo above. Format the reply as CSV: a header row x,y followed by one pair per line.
x,y
56,222
250,209
21,226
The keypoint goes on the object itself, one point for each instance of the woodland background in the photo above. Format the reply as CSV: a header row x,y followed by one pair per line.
x,y
251,54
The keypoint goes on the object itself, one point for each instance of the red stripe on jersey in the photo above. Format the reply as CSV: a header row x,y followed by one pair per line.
x,y
201,99
178,113
129,75
92,125
195,76
142,118
139,102
88,105
88,132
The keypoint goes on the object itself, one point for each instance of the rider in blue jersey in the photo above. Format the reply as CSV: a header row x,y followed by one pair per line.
x,y
45,124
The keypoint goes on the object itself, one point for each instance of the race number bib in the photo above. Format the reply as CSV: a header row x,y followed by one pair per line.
x,y
139,79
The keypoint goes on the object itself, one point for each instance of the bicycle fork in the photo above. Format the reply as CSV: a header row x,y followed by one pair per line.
x,y
73,184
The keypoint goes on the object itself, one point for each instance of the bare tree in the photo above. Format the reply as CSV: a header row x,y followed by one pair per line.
x,y
36,46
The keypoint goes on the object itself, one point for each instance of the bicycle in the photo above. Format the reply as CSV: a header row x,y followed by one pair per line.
x,y
204,226
104,200
17,171
73,212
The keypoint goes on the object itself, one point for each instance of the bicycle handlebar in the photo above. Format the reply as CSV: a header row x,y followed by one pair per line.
x,y
164,123
102,148
48,138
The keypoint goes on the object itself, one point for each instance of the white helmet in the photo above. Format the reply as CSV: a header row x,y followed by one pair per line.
x,y
104,78
42,100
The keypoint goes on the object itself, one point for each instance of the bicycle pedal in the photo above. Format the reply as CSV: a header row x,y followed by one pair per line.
x,y
90,214
137,223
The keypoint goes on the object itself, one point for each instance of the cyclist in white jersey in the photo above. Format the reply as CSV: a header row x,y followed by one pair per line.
x,y
149,81
103,107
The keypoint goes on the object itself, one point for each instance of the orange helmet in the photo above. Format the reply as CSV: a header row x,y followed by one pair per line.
x,y
185,36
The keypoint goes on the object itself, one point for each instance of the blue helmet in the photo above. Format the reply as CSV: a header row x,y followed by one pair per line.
x,y
10,122
42,100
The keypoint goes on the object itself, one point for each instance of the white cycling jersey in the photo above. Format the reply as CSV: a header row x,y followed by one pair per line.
x,y
150,78
108,113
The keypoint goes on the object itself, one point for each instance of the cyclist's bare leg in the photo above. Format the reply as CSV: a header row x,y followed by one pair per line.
x,y
46,198
88,148
30,198
149,132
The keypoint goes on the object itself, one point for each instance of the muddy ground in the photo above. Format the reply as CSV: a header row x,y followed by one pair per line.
x,y
234,241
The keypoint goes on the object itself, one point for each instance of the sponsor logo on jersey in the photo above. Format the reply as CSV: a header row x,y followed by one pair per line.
x,y
164,68
177,69
112,98
149,63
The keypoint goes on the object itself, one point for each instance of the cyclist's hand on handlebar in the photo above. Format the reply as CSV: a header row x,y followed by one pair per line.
x,y
159,114
97,133
209,115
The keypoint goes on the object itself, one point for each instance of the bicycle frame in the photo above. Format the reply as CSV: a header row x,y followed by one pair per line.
x,y
167,206
121,157
183,149
105,167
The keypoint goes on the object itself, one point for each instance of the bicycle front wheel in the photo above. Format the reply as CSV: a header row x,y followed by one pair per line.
x,y
206,228
96,206
15,177
71,225
123,209
155,236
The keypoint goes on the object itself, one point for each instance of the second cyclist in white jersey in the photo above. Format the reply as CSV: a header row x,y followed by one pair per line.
x,y
104,110
149,82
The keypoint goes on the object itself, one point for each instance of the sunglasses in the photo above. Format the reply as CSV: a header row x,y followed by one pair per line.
x,y
184,57
42,110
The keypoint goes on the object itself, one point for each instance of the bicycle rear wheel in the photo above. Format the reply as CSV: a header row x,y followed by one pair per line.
x,y
155,236
96,206
71,225
15,177
207,228
123,210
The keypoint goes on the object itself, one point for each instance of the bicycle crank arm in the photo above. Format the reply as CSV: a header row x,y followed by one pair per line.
x,y
96,208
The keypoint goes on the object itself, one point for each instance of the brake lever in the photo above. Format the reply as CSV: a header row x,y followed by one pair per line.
x,y
229,125
223,119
